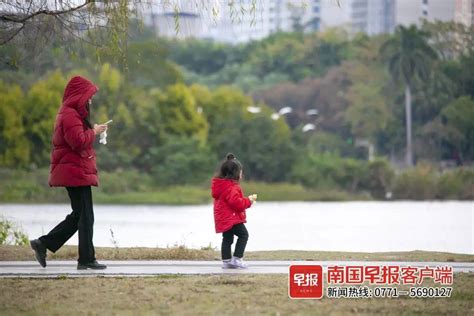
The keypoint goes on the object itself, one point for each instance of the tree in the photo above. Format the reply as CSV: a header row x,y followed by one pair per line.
x,y
41,105
461,72
450,39
141,55
368,113
264,145
409,57
459,121
182,160
35,22
180,113
14,146
102,23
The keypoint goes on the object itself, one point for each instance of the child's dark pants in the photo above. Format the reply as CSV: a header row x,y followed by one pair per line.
x,y
228,238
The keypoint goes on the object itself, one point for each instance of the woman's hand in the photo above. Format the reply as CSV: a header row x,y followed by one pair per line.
x,y
100,128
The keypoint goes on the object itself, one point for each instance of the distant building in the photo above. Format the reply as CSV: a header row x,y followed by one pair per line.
x,y
233,24
380,16
252,20
162,18
464,12
367,16
414,11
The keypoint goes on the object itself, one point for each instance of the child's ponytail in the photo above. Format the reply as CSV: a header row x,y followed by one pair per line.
x,y
230,168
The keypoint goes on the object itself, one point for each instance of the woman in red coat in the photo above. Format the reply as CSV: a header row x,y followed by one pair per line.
x,y
229,211
73,165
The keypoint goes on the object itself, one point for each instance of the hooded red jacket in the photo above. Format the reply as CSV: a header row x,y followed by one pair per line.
x,y
73,160
229,204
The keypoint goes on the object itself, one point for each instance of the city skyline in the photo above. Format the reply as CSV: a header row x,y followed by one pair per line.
x,y
254,20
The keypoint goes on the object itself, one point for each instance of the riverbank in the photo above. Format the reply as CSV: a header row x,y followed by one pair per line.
x,y
21,253
193,195
34,189
132,187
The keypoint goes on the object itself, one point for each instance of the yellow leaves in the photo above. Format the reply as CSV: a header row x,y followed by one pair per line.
x,y
180,113
101,115
110,78
42,103
123,116
14,147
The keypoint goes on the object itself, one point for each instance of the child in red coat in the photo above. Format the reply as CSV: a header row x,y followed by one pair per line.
x,y
229,211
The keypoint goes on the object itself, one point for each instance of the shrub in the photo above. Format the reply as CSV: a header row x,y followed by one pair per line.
x,y
121,181
328,171
10,234
418,183
456,185
379,178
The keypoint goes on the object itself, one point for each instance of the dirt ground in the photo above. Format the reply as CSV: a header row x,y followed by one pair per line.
x,y
208,295
9,253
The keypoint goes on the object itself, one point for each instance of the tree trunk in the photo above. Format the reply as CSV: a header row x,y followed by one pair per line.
x,y
409,150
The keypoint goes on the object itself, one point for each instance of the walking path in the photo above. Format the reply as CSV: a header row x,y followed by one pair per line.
x,y
134,268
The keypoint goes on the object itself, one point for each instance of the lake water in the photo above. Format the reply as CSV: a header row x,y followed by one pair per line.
x,y
331,226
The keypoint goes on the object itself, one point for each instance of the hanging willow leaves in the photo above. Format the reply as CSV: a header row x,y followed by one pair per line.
x,y
101,24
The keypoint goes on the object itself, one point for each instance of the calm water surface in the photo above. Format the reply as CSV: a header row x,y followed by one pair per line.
x,y
332,226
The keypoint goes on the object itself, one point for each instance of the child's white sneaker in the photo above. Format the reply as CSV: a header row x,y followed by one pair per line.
x,y
226,264
238,263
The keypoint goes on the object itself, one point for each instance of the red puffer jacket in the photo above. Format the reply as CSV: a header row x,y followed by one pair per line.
x,y
73,161
229,204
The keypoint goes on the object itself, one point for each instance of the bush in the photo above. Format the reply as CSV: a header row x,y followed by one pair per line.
x,y
10,234
418,183
28,186
379,178
425,183
328,171
121,181
456,185
316,171
182,161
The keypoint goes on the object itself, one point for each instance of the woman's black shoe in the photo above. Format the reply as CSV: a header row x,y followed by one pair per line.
x,y
91,265
40,251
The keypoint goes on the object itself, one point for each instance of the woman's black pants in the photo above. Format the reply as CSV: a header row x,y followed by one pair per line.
x,y
81,219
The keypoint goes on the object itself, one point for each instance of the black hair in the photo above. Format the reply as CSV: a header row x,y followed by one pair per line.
x,y
230,168
87,119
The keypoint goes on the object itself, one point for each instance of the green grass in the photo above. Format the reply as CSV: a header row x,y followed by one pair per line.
x,y
185,195
12,253
207,295
296,192
133,187
177,195
24,187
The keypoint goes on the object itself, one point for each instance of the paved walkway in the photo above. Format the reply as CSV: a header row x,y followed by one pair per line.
x,y
149,268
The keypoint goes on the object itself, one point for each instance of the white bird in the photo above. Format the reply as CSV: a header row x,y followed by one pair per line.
x,y
308,127
312,112
254,109
275,116
285,110
199,110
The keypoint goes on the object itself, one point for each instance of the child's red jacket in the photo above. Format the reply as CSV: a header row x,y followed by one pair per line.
x,y
229,204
